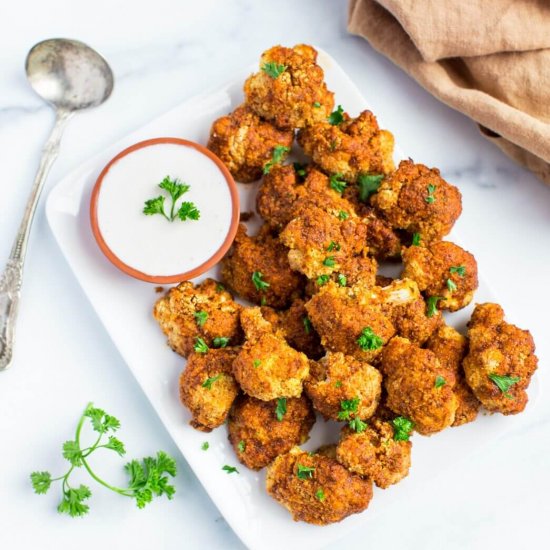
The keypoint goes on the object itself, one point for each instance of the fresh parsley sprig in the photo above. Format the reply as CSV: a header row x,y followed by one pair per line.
x,y
149,477
402,428
336,117
176,189
274,70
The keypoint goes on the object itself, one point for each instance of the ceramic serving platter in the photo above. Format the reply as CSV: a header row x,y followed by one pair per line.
x,y
124,307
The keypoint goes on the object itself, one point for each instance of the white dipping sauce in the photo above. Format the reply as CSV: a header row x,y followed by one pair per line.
x,y
152,244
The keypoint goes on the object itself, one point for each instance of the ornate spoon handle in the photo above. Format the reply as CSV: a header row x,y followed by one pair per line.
x,y
12,276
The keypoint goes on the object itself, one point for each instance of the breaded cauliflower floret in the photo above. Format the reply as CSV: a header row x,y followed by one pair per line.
x,y
412,381
259,435
294,324
407,310
267,367
289,90
375,454
350,320
450,347
319,242
343,388
500,362
354,147
208,388
443,270
417,199
205,310
245,143
315,488
257,269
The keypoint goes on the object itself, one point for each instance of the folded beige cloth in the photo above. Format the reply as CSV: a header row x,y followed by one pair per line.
x,y
489,59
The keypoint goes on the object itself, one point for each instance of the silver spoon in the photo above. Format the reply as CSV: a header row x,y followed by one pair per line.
x,y
70,76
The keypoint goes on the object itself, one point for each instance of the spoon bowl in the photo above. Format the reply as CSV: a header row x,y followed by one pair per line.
x,y
69,74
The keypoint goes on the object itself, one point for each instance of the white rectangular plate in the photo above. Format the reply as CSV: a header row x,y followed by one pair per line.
x,y
124,306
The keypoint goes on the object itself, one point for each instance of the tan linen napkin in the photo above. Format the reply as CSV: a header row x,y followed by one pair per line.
x,y
489,59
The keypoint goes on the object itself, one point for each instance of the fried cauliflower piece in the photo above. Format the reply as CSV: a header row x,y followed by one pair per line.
x,y
315,488
406,308
411,380
350,320
245,143
296,328
257,269
500,362
354,147
417,199
267,367
206,310
450,347
208,388
375,454
443,270
343,388
259,435
289,90
312,237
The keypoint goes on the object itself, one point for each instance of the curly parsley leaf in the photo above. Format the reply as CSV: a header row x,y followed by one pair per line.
x,y
402,428
176,190
41,482
347,407
504,383
155,206
274,70
336,117
431,305
337,183
357,425
188,211
368,340
174,187
368,185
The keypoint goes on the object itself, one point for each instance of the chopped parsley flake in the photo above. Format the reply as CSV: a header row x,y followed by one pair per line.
x,y
430,199
316,104
338,384
333,246
256,363
431,305
280,409
329,261
402,428
258,281
209,381
336,117
278,155
305,472
368,184
416,239
220,341
504,383
201,317
357,425
460,270
342,279
451,285
337,183
274,70
323,280
439,381
307,324
200,345
368,340
220,287
320,495
241,446
300,169
343,215
205,446
348,406
230,469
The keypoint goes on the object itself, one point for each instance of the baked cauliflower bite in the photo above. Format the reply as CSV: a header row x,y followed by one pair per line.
x,y
257,269
405,306
417,199
294,324
262,430
352,148
289,90
444,271
319,242
315,488
267,367
350,320
500,362
208,388
343,388
245,143
412,379
450,347
375,454
206,311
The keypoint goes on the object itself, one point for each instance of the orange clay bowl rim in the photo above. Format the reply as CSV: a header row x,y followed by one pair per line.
x,y
200,269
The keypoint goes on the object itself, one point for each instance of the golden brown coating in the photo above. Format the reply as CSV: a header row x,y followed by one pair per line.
x,y
296,328
276,196
417,199
406,308
208,388
443,270
315,488
245,143
267,367
375,454
258,435
319,242
339,378
355,146
411,379
205,310
500,362
450,347
257,269
350,320
289,89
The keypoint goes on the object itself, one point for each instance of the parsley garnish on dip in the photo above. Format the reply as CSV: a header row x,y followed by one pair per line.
x,y
164,208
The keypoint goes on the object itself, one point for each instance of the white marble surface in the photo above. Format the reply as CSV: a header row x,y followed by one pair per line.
x,y
162,54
